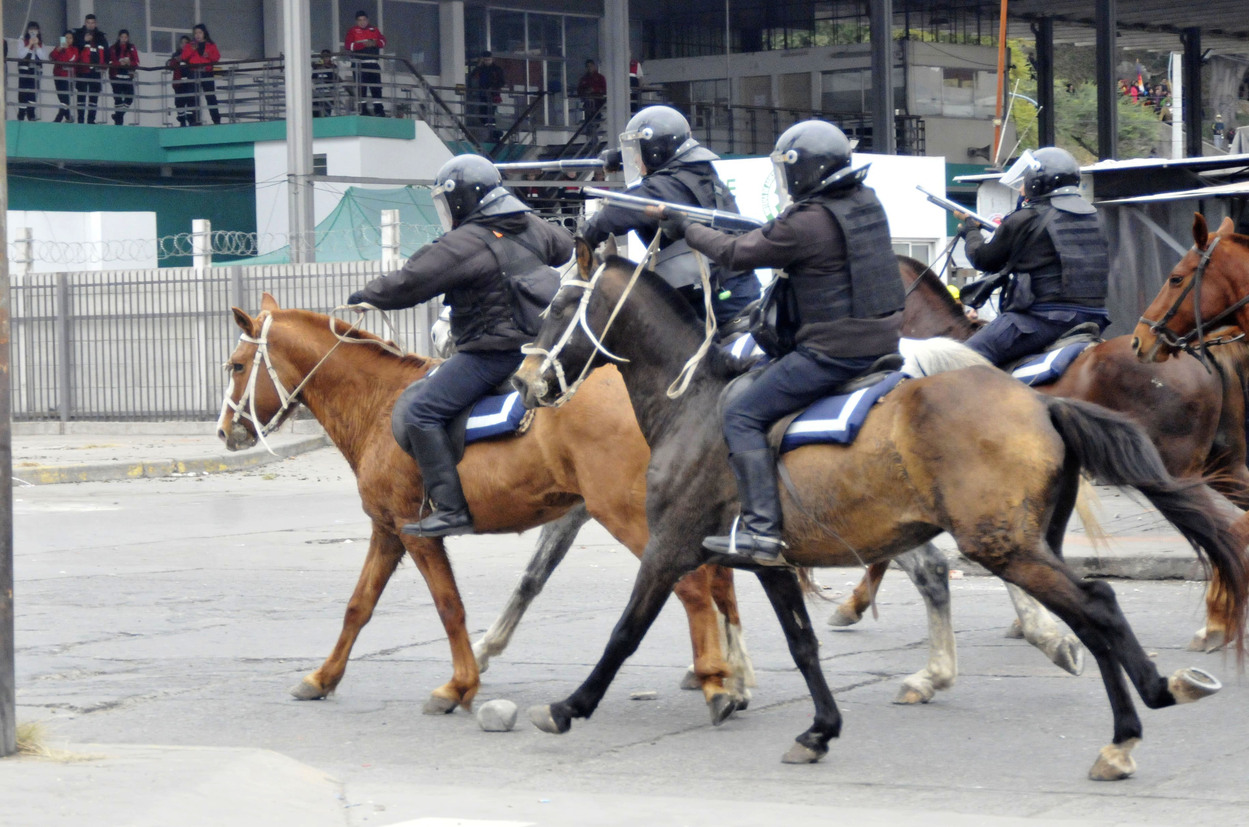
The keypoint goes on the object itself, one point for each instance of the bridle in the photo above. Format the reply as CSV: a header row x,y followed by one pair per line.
x,y
1198,334
245,407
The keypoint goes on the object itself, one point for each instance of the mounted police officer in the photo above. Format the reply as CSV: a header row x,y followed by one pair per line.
x,y
494,267
1050,256
662,161
834,244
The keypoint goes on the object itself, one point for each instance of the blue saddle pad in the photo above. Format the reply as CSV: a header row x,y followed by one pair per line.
x,y
837,418
744,346
1048,367
494,416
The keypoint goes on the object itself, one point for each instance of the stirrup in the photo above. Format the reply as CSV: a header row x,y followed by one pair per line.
x,y
441,524
758,555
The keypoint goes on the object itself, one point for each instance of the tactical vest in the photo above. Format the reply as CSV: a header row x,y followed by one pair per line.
x,y
1083,257
677,263
532,283
875,281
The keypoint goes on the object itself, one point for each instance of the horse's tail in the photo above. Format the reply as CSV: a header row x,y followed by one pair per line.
x,y
1116,451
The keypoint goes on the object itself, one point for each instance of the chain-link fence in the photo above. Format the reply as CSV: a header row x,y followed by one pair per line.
x,y
149,344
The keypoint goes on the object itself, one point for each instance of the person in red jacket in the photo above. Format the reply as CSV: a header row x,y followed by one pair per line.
x,y
200,55
62,73
123,57
592,89
92,58
367,41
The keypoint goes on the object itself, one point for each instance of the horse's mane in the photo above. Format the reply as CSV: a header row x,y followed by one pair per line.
x,y
924,273
385,349
718,362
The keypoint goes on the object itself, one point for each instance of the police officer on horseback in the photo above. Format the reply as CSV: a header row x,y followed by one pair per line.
x,y
494,266
663,161
834,244
1050,256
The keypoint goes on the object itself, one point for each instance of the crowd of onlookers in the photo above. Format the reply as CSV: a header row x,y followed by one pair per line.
x,y
1156,95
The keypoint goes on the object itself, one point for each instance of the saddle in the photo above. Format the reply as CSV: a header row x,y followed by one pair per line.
x,y
500,413
1049,365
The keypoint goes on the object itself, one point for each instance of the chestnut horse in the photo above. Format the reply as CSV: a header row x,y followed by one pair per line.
x,y
972,452
592,451
1194,416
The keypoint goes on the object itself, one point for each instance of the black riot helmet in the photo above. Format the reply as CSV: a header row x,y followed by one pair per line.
x,y
812,157
461,185
652,138
1051,172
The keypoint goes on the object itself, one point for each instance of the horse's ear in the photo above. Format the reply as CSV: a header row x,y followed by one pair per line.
x,y
609,247
1201,233
245,322
585,257
1227,227
267,302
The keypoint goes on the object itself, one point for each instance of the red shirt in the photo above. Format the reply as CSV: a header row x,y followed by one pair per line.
x,y
357,34
67,55
201,62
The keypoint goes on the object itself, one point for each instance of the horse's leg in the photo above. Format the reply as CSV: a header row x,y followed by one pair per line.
x,y
707,635
851,611
1212,636
385,552
785,594
1090,609
741,669
654,583
553,544
928,570
430,557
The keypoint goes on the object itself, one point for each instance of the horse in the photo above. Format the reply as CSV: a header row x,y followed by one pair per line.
x,y
592,452
972,452
1194,416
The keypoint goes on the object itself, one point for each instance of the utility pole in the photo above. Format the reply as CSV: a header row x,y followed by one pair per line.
x,y
8,674
297,45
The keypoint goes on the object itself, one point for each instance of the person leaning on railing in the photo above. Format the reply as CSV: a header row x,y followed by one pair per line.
x,y
201,55
91,58
64,59
31,54
367,42
123,57
183,90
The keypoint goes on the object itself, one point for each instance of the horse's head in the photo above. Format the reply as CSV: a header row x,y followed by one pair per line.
x,y
252,401
1203,292
567,346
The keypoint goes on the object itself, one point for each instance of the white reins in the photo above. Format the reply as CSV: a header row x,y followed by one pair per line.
x,y
245,407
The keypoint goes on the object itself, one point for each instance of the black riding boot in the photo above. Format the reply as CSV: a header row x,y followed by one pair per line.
x,y
758,530
432,449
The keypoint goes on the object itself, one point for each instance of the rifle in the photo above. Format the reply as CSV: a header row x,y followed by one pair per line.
x,y
715,219
578,164
949,206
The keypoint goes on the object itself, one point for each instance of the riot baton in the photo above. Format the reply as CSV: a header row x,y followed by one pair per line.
x,y
715,219
949,206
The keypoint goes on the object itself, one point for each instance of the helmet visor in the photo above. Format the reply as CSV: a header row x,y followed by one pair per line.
x,y
780,164
1018,172
631,156
442,207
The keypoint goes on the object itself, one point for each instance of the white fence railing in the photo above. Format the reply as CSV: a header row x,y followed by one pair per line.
x,y
149,344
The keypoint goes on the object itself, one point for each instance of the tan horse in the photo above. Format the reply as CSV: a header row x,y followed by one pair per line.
x,y
592,450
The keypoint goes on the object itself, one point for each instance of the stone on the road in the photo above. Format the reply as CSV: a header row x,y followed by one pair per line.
x,y
497,716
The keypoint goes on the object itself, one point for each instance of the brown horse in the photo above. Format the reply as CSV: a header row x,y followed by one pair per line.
x,y
972,452
1194,416
591,451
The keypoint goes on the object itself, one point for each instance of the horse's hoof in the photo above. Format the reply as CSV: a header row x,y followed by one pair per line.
x,y
306,690
438,705
1070,656
1192,684
908,694
1208,641
741,703
1014,631
801,754
1115,762
844,616
691,681
721,706
543,717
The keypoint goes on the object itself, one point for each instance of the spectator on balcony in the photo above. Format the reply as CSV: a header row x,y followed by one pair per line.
x,y
123,57
201,56
62,75
31,54
92,58
635,83
592,89
183,90
89,25
485,90
324,85
366,42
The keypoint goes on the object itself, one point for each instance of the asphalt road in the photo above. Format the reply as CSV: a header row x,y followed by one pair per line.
x,y
179,611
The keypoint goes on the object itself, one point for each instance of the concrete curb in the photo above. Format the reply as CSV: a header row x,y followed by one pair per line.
x,y
108,471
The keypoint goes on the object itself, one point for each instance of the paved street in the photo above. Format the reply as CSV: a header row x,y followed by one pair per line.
x,y
177,612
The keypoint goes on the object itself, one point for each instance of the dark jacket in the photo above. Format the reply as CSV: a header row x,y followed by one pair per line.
x,y
461,267
809,245
101,39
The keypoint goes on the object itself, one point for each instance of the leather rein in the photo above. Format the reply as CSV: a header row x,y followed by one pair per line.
x,y
1194,342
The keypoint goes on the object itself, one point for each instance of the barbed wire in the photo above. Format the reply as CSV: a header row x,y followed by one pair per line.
x,y
226,243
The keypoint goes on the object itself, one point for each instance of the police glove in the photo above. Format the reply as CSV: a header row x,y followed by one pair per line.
x,y
674,226
612,160
978,292
356,298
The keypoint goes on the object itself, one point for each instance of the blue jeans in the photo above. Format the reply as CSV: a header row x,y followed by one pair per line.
x,y
460,381
1015,334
